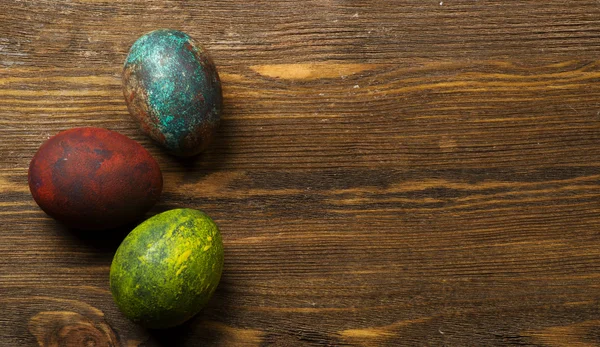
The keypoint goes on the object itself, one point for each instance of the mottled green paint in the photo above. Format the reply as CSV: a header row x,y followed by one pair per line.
x,y
167,268
179,86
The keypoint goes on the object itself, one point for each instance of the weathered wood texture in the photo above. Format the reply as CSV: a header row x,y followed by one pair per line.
x,y
387,172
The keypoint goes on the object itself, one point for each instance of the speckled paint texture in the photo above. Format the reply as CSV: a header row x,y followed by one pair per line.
x,y
93,178
167,268
172,88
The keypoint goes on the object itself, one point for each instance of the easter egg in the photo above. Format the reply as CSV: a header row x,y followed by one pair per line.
x,y
93,178
173,90
166,270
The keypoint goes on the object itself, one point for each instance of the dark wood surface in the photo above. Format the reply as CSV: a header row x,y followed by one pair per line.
x,y
386,173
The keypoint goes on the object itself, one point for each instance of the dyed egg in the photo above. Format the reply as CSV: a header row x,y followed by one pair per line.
x,y
167,268
92,178
172,88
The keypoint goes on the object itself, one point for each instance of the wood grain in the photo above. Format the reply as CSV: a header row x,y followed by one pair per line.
x,y
401,173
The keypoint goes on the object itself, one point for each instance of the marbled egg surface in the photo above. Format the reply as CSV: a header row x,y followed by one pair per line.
x,y
93,178
172,88
167,268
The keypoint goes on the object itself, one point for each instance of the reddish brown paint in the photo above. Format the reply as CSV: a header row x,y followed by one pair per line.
x,y
131,96
93,178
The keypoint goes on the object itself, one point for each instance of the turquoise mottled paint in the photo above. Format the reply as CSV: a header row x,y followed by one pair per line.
x,y
179,92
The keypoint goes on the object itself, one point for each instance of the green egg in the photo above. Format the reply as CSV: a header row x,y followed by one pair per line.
x,y
166,270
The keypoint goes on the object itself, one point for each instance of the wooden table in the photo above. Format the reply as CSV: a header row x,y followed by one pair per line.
x,y
386,173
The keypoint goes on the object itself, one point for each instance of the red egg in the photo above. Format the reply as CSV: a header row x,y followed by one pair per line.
x,y
93,178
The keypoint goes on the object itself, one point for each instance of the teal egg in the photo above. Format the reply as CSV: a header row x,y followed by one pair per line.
x,y
173,90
